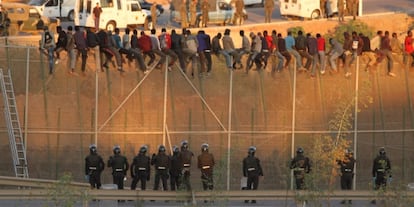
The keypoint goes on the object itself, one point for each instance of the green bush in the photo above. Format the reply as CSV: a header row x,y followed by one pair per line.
x,y
295,30
353,25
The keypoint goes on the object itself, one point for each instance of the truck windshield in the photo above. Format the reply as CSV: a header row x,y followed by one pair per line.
x,y
37,2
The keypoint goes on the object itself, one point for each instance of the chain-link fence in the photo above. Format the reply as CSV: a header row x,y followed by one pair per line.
x,y
62,114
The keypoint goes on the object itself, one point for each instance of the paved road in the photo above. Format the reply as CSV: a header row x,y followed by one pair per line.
x,y
256,13
335,203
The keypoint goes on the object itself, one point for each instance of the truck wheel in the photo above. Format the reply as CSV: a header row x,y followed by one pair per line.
x,y
148,24
111,26
13,30
71,15
316,14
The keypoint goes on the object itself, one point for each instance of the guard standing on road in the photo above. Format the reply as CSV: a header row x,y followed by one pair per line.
x,y
252,170
353,8
269,5
154,14
347,172
183,14
119,164
4,22
238,15
97,11
381,171
176,168
185,157
193,13
205,7
94,165
140,169
341,10
322,6
161,163
300,165
206,164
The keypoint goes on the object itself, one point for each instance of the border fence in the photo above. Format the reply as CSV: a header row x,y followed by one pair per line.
x,y
63,114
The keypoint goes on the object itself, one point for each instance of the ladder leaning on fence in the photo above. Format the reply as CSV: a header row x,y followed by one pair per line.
x,y
11,116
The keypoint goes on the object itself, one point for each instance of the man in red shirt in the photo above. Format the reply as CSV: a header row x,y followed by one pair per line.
x,y
321,52
144,44
408,46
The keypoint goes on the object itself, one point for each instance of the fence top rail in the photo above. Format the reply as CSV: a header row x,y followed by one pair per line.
x,y
43,194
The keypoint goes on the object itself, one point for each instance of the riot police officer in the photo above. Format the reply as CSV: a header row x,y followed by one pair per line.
x,y
119,164
300,166
4,21
252,170
381,170
94,165
206,164
347,166
176,168
161,162
140,169
185,157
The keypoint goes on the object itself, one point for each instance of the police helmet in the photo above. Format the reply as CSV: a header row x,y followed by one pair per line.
x,y
252,150
143,149
176,149
161,148
184,144
299,150
93,148
382,151
204,147
117,149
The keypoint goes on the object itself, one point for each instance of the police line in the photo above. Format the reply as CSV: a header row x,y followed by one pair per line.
x,y
40,189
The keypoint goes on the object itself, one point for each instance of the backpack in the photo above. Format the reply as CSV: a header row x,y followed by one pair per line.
x,y
191,45
63,39
48,38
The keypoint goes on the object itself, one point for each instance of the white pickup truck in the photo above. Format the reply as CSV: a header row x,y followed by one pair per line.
x,y
55,8
115,14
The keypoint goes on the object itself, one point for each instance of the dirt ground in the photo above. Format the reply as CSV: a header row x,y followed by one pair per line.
x,y
61,112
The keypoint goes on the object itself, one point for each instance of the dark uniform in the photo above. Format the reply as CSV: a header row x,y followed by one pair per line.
x,y
268,6
205,8
347,166
119,166
140,169
238,15
381,170
206,164
252,170
341,10
183,14
185,157
4,22
300,165
94,165
176,168
193,13
161,163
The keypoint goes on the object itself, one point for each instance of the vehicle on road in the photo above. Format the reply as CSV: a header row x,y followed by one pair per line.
x,y
115,14
146,5
26,18
221,13
55,8
253,2
308,9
